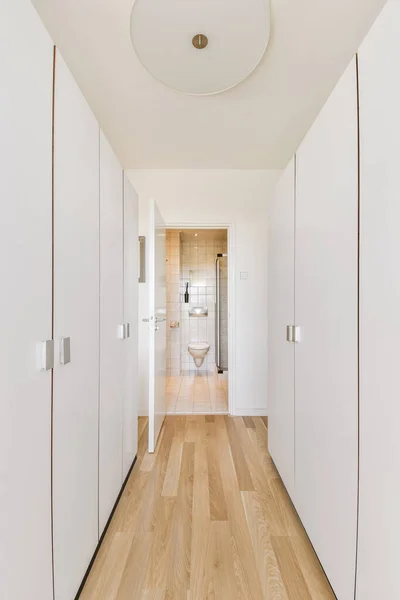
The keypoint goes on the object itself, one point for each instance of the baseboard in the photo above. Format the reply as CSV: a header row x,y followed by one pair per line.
x,y
105,530
143,413
250,412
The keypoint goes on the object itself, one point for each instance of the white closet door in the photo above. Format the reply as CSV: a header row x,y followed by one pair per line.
x,y
76,300
281,219
25,302
131,291
112,367
379,517
326,376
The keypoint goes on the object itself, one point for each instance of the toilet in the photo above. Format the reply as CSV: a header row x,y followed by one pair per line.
x,y
198,350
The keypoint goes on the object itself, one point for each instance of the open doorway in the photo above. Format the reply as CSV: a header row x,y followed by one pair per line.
x,y
197,321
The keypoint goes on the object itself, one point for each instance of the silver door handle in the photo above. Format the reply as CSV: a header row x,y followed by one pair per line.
x,y
124,331
293,333
147,319
65,350
46,355
160,319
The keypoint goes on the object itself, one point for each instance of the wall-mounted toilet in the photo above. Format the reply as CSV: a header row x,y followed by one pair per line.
x,y
198,350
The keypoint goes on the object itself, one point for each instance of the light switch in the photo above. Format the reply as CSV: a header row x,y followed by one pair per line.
x,y
244,275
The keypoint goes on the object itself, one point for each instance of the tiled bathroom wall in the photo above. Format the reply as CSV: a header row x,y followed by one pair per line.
x,y
197,268
191,259
173,303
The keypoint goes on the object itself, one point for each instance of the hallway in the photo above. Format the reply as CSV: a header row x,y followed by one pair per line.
x,y
206,516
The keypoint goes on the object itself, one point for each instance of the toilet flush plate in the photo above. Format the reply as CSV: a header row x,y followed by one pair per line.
x,y
198,311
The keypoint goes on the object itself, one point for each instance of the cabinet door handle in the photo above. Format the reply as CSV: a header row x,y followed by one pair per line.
x,y
46,355
124,331
65,350
293,333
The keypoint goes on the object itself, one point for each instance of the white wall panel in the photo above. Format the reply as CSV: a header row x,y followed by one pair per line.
x,y
112,366
25,302
326,305
281,237
76,298
379,517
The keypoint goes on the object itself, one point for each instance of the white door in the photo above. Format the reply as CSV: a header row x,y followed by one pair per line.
x,y
281,217
76,308
131,316
112,367
326,357
379,516
157,324
25,303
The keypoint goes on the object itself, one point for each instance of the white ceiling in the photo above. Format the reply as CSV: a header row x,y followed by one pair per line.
x,y
256,125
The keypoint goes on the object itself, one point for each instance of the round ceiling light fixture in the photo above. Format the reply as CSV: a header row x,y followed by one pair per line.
x,y
163,34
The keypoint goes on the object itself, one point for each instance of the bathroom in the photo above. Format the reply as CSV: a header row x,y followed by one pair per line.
x,y
197,321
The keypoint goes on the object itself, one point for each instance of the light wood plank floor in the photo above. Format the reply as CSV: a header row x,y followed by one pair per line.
x,y
206,517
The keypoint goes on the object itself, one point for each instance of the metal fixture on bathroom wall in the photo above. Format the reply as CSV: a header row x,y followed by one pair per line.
x,y
174,325
198,311
219,358
187,293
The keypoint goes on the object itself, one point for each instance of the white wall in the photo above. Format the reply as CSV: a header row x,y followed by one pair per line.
x,y
220,197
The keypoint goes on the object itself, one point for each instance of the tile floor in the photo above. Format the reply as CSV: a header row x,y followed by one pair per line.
x,y
201,393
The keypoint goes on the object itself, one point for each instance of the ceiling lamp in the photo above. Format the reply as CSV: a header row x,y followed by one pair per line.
x,y
200,47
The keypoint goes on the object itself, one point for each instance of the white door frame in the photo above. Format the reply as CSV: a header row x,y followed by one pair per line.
x,y
230,227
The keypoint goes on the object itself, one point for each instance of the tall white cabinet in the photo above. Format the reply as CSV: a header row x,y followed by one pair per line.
x,y
326,355
379,519
281,317
131,310
76,318
25,303
112,367
347,293
313,378
68,267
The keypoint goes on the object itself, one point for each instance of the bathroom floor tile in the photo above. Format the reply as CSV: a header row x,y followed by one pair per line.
x,y
202,392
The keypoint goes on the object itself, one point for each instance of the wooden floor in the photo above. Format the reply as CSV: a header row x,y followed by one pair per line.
x,y
206,516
